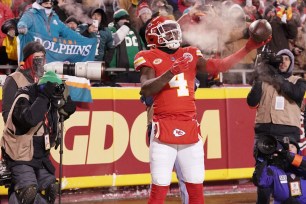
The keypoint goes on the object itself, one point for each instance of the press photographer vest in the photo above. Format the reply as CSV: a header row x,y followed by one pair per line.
x,y
19,147
266,112
20,79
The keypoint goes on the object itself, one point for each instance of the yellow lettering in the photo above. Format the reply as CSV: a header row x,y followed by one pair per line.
x,y
210,129
138,138
97,154
78,154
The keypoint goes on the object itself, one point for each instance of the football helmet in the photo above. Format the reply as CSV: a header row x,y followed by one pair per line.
x,y
162,32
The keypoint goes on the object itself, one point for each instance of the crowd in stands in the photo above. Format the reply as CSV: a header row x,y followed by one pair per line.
x,y
218,28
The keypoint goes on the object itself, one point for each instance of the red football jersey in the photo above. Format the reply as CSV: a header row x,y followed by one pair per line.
x,y
177,97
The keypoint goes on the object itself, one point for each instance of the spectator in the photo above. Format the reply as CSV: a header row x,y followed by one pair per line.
x,y
298,45
29,72
72,22
5,14
59,11
277,95
41,19
237,38
131,7
145,14
283,28
168,72
250,11
9,27
184,5
34,117
127,44
19,7
162,8
260,8
101,32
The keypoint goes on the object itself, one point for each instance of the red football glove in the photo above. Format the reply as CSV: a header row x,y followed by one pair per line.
x,y
251,44
180,65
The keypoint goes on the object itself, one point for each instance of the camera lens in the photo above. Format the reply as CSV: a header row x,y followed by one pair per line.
x,y
59,89
69,69
267,145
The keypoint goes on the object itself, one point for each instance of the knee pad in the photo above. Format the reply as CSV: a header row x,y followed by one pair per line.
x,y
50,193
27,194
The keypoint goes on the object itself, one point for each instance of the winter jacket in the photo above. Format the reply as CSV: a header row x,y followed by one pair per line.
x,y
105,41
279,177
30,111
36,21
19,78
281,33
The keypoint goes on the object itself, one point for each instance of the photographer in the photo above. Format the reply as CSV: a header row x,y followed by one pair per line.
x,y
30,131
277,96
284,173
29,71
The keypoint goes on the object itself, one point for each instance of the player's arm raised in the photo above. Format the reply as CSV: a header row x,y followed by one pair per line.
x,y
214,66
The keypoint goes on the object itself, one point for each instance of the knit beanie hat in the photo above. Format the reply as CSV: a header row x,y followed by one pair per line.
x,y
9,24
31,48
121,14
291,56
296,145
51,77
143,8
72,19
43,1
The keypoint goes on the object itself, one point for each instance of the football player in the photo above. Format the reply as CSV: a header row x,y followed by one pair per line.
x,y
167,73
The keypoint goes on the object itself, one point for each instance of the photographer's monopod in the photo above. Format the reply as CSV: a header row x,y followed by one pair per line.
x,y
61,120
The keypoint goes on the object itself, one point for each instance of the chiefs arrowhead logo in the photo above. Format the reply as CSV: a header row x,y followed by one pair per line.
x,y
178,132
188,55
157,61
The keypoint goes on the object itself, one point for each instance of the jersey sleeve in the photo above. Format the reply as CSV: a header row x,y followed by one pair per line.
x,y
141,60
199,53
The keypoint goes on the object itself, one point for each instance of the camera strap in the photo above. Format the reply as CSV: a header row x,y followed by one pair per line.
x,y
294,184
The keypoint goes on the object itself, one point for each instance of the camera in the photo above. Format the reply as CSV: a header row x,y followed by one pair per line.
x,y
93,70
268,145
59,89
5,175
269,57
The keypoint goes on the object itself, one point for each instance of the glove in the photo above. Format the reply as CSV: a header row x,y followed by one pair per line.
x,y
47,89
180,65
22,30
282,152
69,107
252,44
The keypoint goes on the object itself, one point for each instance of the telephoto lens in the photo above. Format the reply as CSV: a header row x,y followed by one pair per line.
x,y
92,70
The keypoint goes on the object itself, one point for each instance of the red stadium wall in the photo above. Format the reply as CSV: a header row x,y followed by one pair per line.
x,y
105,141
